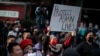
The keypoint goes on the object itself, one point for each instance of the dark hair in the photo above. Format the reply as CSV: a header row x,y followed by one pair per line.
x,y
41,37
10,36
89,32
14,24
11,45
46,43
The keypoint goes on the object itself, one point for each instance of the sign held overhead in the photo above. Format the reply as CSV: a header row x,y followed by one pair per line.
x,y
64,18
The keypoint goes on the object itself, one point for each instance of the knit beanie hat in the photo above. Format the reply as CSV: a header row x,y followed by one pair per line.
x,y
25,43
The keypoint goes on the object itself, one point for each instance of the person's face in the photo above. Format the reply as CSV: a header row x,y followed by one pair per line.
x,y
28,49
19,25
16,28
25,35
68,34
17,51
51,40
11,40
89,35
90,25
96,27
81,24
36,31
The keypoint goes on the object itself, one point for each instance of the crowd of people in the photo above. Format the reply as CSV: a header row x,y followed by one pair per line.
x,y
38,40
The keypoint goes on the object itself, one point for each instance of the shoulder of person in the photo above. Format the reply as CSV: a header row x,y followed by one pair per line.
x,y
95,45
10,32
81,45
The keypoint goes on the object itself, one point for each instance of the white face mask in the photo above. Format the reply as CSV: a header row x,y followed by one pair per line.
x,y
16,29
31,54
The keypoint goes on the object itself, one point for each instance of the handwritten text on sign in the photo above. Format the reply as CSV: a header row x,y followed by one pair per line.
x,y
65,16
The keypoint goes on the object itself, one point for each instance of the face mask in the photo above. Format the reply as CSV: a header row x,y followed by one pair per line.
x,y
90,39
28,51
54,42
16,29
31,54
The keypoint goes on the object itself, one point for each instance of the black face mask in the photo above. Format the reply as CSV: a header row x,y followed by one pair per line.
x,y
90,39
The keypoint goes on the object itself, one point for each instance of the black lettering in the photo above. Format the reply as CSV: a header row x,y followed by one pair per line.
x,y
56,10
72,18
70,27
63,26
68,18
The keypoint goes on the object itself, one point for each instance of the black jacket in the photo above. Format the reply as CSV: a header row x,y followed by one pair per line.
x,y
85,49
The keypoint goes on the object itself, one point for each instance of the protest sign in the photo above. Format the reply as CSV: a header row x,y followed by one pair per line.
x,y
64,18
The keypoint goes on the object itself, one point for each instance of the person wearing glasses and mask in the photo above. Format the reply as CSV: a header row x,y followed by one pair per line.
x,y
88,47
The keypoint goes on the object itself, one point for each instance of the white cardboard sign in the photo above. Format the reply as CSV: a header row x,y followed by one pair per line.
x,y
64,18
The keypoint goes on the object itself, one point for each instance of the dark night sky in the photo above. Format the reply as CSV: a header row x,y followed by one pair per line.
x,y
91,4
93,15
